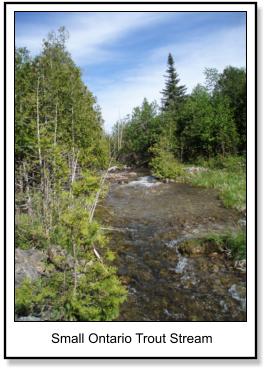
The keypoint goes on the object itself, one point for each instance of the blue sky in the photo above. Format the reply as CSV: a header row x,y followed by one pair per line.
x,y
123,55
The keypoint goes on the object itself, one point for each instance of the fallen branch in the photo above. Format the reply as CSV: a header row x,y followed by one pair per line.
x,y
96,253
93,208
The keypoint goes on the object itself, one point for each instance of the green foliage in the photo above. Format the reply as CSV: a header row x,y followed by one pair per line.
x,y
229,180
164,164
29,232
210,121
232,163
209,127
211,78
225,134
24,305
59,135
85,185
139,133
237,244
232,85
97,297
98,292
197,136
52,99
173,94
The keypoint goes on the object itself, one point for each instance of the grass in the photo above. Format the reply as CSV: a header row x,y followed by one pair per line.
x,y
228,176
231,243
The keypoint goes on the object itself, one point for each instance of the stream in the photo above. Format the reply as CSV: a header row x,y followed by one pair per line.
x,y
148,221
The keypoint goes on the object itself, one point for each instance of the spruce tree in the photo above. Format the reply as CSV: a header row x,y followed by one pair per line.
x,y
173,93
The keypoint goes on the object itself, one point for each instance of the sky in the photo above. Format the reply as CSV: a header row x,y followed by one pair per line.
x,y
123,55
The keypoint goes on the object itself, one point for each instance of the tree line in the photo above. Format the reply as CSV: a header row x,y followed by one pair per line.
x,y
208,122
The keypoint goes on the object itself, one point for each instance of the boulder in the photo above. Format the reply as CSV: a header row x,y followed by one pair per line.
x,y
58,256
28,264
113,169
241,265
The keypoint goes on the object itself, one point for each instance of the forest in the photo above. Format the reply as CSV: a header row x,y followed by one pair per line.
x,y
63,159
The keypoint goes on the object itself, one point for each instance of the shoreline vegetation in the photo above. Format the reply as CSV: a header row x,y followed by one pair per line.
x,y
62,155
226,175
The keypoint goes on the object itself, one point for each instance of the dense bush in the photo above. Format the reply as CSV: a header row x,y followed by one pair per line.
x,y
97,297
164,164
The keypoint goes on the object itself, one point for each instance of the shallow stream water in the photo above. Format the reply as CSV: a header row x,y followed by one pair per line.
x,y
148,221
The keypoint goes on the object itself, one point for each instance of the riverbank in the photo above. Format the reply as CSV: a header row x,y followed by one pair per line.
x,y
226,175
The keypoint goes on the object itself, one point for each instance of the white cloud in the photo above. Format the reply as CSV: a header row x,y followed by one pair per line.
x,y
96,33
91,34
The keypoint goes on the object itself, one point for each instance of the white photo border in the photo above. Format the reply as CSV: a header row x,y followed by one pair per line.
x,y
233,340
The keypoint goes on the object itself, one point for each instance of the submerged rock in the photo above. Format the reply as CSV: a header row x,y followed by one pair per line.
x,y
113,169
123,181
181,265
238,292
145,181
28,318
57,256
192,248
241,265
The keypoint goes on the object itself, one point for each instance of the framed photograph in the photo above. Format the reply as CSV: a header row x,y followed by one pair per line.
x,y
130,183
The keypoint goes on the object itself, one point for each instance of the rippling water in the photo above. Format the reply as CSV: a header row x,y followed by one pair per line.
x,y
150,219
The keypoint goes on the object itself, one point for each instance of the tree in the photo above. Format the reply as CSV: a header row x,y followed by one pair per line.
x,y
173,94
224,129
211,79
209,125
197,137
139,132
24,105
232,84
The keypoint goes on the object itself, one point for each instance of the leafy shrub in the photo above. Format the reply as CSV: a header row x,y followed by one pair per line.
x,y
86,185
97,297
79,284
24,304
164,164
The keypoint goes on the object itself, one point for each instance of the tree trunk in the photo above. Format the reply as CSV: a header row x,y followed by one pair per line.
x,y
27,189
38,124
75,267
56,125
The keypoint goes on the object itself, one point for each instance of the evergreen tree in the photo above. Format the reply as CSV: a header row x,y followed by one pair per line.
x,y
173,93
